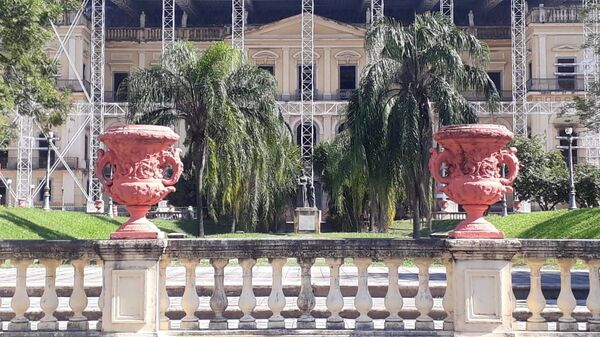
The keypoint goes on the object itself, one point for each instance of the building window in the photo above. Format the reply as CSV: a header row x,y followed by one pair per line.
x,y
269,68
341,127
43,152
565,73
119,91
496,77
314,79
299,135
347,77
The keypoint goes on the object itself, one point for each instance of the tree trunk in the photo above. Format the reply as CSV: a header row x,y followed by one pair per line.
x,y
416,217
200,161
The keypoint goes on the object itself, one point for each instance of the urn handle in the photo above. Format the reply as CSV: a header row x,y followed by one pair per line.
x,y
435,163
509,158
172,158
104,158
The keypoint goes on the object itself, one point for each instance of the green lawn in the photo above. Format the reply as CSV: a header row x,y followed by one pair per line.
x,y
27,223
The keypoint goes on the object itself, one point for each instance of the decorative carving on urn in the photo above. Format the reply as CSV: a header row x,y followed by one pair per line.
x,y
473,157
139,156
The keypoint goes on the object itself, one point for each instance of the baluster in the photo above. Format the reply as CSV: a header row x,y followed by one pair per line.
x,y
247,301
1,262
189,300
277,298
20,299
593,299
218,300
423,299
393,299
566,300
335,301
49,300
448,300
363,301
78,301
100,263
535,300
306,298
164,296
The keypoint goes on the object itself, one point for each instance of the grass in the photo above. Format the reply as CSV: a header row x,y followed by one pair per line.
x,y
28,223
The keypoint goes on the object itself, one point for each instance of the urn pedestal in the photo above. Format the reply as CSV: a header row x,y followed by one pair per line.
x,y
138,157
472,159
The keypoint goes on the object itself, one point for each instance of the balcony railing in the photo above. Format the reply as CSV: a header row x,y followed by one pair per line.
x,y
570,14
345,94
136,34
10,163
556,84
461,287
490,33
505,95
72,84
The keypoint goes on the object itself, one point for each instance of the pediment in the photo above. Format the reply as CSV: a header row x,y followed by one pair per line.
x,y
291,28
566,47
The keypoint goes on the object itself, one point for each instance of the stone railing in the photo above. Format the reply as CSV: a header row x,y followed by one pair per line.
x,y
349,287
562,14
154,34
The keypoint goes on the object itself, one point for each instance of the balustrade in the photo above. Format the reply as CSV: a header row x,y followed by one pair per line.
x,y
364,285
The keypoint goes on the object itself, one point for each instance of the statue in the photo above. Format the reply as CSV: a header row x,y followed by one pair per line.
x,y
310,191
301,190
143,20
184,18
471,19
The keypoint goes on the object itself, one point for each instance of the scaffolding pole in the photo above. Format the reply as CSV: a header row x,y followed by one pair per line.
x,y
168,24
519,59
591,140
377,10
238,22
97,96
307,90
447,8
24,150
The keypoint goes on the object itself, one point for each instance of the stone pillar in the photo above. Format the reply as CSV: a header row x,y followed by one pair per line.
x,y
483,301
286,73
327,75
131,285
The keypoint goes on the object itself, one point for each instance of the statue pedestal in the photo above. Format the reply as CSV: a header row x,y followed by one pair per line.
x,y
307,220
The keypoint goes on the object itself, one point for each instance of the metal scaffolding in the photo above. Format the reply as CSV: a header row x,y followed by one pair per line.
x,y
24,150
238,22
307,107
591,140
377,10
519,59
447,8
168,24
97,96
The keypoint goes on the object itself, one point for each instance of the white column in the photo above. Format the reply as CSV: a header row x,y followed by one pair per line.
x,y
49,300
189,300
218,300
277,298
327,74
363,301
78,300
393,299
423,299
100,263
335,301
286,72
164,296
306,298
566,300
141,59
543,57
535,300
247,301
448,300
20,299
593,299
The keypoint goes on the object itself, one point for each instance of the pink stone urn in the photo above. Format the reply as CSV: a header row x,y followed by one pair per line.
x,y
138,156
473,156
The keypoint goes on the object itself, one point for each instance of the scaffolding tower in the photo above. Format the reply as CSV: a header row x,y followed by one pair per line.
x,y
168,25
377,10
447,8
307,89
238,20
519,59
591,140
24,151
97,96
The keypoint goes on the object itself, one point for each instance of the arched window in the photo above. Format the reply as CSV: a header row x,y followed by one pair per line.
x,y
299,134
43,152
341,127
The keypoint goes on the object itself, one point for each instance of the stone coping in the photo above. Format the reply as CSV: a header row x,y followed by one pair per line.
x,y
376,248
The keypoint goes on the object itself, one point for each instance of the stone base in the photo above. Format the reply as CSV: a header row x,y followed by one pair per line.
x,y
471,234
47,326
424,325
276,322
78,325
247,324
99,325
593,326
189,325
567,326
218,325
19,326
307,220
397,324
536,326
368,325
448,326
335,324
306,322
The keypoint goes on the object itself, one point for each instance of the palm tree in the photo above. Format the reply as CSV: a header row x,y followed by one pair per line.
x,y
226,106
390,117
